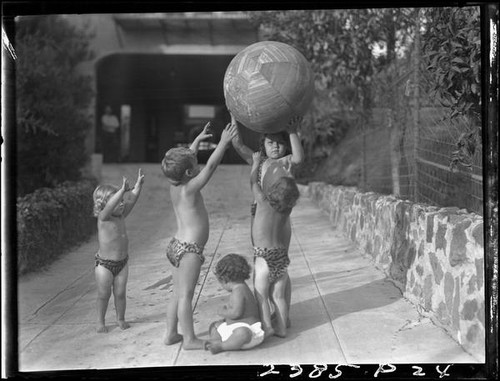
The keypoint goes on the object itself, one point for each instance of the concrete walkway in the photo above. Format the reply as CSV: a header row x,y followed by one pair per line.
x,y
344,310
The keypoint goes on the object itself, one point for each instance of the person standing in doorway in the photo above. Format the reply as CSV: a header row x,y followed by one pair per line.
x,y
110,136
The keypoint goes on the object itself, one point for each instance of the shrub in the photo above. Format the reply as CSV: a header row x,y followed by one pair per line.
x,y
51,220
52,102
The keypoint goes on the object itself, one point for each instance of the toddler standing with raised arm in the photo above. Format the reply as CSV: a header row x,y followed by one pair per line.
x,y
271,238
111,261
185,250
240,327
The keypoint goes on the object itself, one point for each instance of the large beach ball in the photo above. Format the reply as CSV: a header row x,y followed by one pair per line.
x,y
266,84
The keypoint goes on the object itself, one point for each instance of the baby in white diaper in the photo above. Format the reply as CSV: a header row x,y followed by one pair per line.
x,y
240,327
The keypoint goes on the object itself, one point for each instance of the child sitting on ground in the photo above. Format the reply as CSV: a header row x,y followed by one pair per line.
x,y
185,250
271,238
111,261
240,327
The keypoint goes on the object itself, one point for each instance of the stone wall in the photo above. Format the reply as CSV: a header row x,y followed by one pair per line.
x,y
435,255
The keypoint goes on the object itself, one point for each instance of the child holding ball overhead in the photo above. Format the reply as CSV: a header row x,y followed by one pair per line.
x,y
271,238
274,157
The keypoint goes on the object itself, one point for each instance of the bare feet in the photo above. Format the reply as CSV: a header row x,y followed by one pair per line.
x,y
169,339
123,324
101,328
280,332
193,344
268,333
214,346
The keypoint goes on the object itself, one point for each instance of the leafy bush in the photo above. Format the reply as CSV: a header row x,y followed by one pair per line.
x,y
452,56
339,44
52,102
51,220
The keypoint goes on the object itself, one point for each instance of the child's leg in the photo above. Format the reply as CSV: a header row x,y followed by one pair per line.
x,y
188,273
212,330
279,298
251,228
288,289
238,338
261,286
171,334
288,299
104,280
120,296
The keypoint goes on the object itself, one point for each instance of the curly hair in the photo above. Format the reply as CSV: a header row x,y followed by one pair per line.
x,y
176,161
101,196
232,268
276,136
283,194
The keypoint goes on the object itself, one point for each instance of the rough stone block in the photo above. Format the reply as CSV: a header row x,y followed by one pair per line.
x,y
441,237
478,234
458,250
449,285
420,270
473,333
443,315
428,291
430,228
421,249
436,268
455,314
469,309
472,284
479,272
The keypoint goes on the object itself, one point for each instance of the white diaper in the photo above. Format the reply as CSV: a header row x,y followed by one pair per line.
x,y
225,331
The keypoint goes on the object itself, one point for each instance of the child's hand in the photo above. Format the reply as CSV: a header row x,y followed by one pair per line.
x,y
125,184
294,123
205,133
228,133
256,158
140,177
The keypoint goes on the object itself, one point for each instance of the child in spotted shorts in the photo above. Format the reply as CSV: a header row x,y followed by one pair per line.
x,y
185,250
111,261
271,238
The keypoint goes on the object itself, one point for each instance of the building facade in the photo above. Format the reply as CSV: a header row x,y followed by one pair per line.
x,y
162,76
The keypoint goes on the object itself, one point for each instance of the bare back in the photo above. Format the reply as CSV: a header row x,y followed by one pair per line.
x,y
270,228
250,313
113,239
191,215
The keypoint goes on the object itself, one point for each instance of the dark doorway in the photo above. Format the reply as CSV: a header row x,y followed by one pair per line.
x,y
157,89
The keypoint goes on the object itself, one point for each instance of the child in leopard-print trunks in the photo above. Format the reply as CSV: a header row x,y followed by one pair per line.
x,y
275,158
185,250
111,261
271,238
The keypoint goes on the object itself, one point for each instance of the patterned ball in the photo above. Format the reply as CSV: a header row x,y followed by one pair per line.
x,y
266,84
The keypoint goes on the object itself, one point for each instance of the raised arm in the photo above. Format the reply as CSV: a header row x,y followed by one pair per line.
x,y
254,183
134,194
297,150
113,201
240,148
215,158
204,134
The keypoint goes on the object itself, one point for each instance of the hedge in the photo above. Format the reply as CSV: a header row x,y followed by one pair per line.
x,y
52,220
